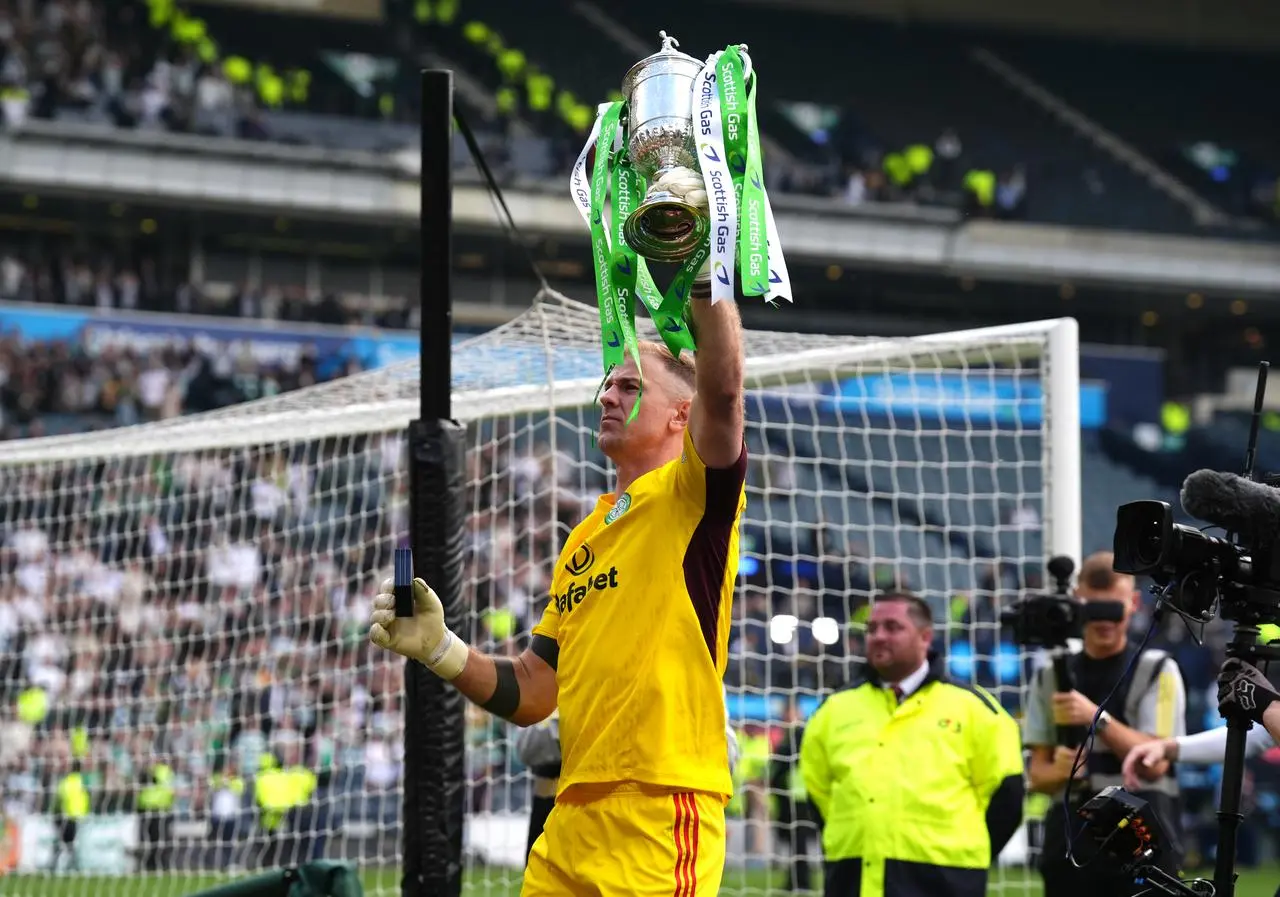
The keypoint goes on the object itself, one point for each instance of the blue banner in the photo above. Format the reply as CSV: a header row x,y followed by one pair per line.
x,y
270,343
988,398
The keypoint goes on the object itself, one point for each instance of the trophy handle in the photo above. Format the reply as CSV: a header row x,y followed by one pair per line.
x,y
746,62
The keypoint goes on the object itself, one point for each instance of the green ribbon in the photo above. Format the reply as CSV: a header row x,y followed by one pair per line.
x,y
667,309
742,155
632,272
621,274
624,269
733,116
753,252
616,311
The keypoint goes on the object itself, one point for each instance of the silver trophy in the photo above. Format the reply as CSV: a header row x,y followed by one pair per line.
x,y
659,133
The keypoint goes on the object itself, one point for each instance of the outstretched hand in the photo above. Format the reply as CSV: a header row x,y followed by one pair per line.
x,y
1243,692
1145,761
422,637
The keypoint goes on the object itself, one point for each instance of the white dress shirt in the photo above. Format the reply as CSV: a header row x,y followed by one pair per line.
x,y
912,682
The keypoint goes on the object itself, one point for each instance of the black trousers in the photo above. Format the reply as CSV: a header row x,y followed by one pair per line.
x,y
1100,876
843,878
66,840
539,810
796,830
157,840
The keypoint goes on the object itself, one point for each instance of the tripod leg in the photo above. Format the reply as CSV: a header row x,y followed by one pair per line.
x,y
1229,815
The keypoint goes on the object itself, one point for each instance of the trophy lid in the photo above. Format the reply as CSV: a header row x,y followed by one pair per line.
x,y
664,58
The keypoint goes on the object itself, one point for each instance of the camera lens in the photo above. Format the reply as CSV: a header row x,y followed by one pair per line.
x,y
1144,530
1149,546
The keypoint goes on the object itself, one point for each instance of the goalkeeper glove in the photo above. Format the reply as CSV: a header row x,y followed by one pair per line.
x,y
735,753
422,637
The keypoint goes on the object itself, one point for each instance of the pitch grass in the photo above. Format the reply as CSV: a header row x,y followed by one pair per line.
x,y
502,883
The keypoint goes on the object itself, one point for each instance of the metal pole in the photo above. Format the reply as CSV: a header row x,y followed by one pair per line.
x,y
435,712
436,231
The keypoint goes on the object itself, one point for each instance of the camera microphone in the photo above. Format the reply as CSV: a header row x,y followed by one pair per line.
x,y
1235,503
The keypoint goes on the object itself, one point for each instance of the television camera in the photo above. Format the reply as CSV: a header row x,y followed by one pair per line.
x,y
1199,577
1050,620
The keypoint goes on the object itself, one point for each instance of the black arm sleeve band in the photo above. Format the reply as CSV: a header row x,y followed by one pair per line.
x,y
506,697
546,648
1004,813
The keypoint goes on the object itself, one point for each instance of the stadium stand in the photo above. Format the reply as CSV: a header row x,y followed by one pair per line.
x,y
902,97
1193,112
898,87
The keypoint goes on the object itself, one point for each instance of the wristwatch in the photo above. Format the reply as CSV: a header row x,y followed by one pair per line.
x,y
1104,720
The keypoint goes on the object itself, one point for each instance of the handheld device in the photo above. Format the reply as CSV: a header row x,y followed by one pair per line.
x,y
403,589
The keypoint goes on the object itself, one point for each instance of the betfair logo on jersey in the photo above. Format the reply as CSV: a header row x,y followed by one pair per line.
x,y
581,561
578,590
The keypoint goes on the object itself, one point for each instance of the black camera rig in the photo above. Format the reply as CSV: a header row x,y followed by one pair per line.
x,y
1199,577
1126,831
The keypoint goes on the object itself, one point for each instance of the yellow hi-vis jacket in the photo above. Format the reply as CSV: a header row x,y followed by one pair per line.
x,y
73,796
902,790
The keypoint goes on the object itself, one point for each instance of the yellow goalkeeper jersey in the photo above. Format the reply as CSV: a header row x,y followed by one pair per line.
x,y
640,605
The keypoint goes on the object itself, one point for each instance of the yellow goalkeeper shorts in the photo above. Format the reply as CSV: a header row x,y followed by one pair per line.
x,y
628,839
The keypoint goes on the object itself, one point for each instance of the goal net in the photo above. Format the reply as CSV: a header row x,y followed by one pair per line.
x,y
183,605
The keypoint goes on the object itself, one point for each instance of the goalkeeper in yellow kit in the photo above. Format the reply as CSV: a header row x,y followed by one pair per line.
x,y
633,641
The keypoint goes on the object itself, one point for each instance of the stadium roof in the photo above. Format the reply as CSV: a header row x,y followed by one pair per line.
x,y
1196,23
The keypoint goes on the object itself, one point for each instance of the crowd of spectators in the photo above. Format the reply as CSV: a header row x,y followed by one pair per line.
x,y
108,62
83,274
112,64
139,65
48,388
200,611
224,595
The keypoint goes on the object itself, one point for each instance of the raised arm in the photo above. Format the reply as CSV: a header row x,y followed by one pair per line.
x,y
716,418
519,689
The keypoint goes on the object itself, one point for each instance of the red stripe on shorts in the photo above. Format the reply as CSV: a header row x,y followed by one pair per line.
x,y
695,824
686,833
681,838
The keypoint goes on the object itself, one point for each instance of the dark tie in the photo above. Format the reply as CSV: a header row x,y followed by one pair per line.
x,y
897,694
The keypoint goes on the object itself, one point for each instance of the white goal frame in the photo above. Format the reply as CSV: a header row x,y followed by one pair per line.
x,y
548,361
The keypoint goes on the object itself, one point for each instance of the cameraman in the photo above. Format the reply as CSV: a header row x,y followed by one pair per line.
x,y
1149,705
1242,689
